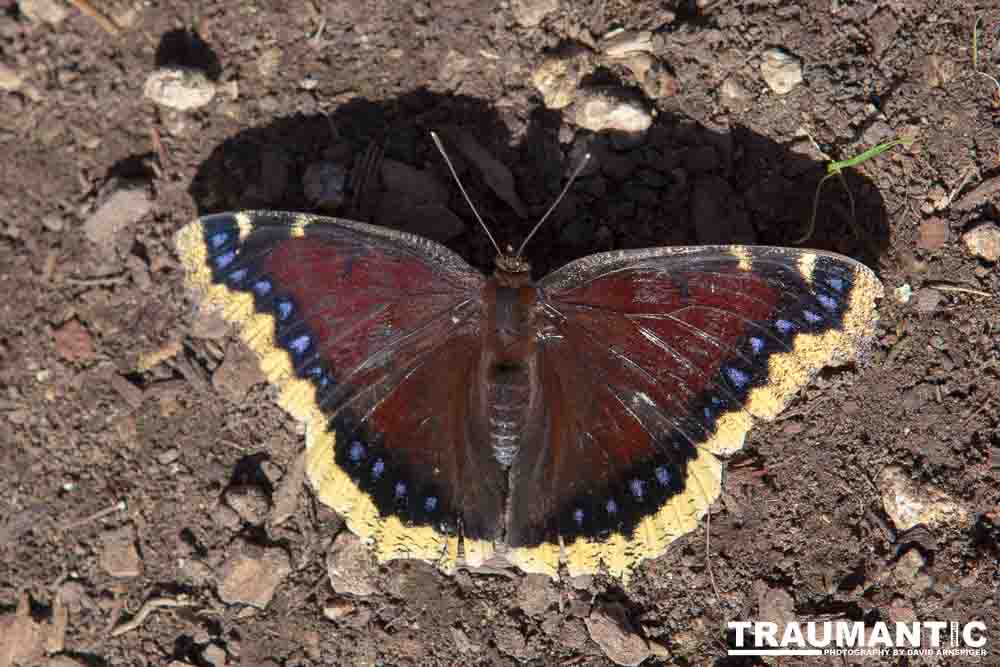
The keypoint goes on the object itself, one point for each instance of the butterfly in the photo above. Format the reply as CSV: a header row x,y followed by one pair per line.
x,y
575,421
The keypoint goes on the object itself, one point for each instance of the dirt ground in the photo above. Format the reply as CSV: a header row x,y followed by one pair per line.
x,y
116,396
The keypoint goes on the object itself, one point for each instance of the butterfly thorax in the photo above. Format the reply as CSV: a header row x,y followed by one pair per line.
x,y
512,271
508,363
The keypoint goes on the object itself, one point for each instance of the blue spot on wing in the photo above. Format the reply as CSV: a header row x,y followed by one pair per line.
x,y
737,377
218,239
225,259
300,344
827,302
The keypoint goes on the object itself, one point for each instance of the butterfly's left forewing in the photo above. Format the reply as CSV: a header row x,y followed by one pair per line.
x,y
371,337
653,363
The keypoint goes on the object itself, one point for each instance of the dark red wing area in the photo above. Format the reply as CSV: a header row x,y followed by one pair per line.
x,y
386,327
642,353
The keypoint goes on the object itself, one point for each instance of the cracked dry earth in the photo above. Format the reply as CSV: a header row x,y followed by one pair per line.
x,y
152,512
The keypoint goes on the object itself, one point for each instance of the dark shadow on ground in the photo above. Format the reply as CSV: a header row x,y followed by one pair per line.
x,y
681,184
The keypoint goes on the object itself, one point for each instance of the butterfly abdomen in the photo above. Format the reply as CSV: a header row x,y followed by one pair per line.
x,y
508,349
508,396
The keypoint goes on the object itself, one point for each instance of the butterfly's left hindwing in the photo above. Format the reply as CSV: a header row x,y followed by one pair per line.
x,y
653,363
371,337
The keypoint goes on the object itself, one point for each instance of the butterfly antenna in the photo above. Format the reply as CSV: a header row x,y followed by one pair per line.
x,y
454,174
576,172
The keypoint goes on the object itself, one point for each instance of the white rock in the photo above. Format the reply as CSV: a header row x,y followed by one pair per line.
x,y
180,88
909,504
10,79
529,13
620,44
781,71
600,110
733,95
44,11
558,77
983,241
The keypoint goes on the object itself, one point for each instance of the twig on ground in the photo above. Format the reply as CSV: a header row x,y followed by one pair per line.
x,y
958,188
145,610
117,507
945,287
93,12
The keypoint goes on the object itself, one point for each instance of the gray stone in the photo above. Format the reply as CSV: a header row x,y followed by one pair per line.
x,y
351,566
128,203
119,555
252,574
610,629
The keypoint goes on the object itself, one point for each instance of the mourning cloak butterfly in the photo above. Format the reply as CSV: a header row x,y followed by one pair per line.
x,y
577,419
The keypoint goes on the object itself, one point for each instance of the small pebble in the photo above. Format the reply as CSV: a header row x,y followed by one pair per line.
x,y
338,609
9,78
179,88
167,457
734,95
268,62
214,655
938,71
781,71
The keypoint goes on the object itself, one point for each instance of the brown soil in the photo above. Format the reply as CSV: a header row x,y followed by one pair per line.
x,y
85,423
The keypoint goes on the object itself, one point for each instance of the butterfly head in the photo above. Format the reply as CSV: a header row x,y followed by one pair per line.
x,y
512,269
